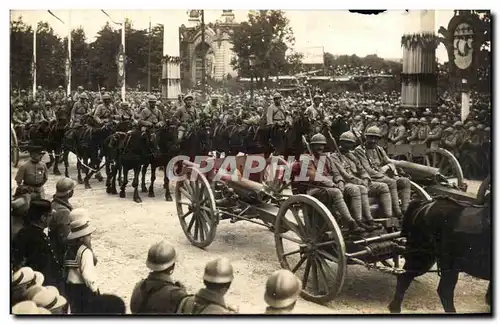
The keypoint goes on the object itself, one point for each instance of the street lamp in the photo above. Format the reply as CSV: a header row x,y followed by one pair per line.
x,y
251,63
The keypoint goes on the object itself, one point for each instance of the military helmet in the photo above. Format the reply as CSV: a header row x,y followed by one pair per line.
x,y
282,289
318,139
20,104
392,121
435,121
469,123
276,95
422,120
124,104
60,87
411,120
400,120
219,271
457,124
161,256
348,137
103,89
36,104
318,96
487,129
472,129
372,131
64,186
382,119
151,98
448,130
48,103
83,96
80,87
444,122
188,96
357,117
106,96
480,127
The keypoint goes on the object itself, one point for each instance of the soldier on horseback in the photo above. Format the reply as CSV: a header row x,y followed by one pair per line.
x,y
276,113
37,115
213,108
186,115
316,112
80,109
125,112
375,161
151,116
60,94
105,112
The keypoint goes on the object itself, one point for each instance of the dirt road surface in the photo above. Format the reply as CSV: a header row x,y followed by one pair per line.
x,y
125,230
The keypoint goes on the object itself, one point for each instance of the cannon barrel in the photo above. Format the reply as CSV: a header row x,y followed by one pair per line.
x,y
245,188
416,170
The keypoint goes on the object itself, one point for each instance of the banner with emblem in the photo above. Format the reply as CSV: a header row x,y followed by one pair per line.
x,y
120,64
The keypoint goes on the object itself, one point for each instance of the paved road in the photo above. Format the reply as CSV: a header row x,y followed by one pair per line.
x,y
126,229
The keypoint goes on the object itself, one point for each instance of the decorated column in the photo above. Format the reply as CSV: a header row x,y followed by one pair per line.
x,y
171,74
419,77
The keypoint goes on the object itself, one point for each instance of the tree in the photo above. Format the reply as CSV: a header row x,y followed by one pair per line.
x,y
103,57
266,35
21,54
294,61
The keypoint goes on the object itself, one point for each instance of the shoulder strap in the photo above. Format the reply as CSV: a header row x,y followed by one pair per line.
x,y
146,295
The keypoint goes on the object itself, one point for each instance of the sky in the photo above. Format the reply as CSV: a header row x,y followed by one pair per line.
x,y
337,31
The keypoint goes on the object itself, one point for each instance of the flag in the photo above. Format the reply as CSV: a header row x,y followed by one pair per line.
x,y
52,14
114,22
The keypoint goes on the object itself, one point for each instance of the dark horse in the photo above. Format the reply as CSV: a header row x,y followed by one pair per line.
x,y
456,235
133,150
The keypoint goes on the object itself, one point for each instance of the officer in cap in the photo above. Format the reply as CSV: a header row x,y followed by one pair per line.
x,y
158,293
33,173
217,278
375,161
282,290
329,186
356,176
276,113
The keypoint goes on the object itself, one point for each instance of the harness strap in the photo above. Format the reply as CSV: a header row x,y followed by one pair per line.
x,y
148,294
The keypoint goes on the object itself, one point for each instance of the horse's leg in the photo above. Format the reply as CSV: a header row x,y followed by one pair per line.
x,y
66,163
90,173
51,159
120,178
124,182
57,155
79,169
166,184
143,176
446,289
415,265
135,183
114,169
151,191
108,176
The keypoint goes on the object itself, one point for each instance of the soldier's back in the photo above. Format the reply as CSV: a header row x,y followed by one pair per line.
x,y
155,296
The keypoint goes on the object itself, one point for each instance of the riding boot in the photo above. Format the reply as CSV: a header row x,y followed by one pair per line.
x,y
365,203
353,192
354,228
404,191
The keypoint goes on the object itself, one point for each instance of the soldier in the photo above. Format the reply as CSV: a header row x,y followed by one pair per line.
x,y
392,129
20,116
125,112
448,140
186,115
151,115
413,138
105,112
282,290
276,113
376,162
48,111
330,191
79,92
158,293
434,135
384,127
354,173
217,278
60,94
371,121
423,130
213,108
59,223
80,109
399,136
461,134
358,124
37,115
33,174
316,110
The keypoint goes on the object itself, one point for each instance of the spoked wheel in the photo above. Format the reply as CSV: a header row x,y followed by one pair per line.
x,y
484,189
196,208
417,192
309,243
14,148
447,164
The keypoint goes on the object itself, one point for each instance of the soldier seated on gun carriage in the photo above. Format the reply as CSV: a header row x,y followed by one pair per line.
x,y
326,183
376,162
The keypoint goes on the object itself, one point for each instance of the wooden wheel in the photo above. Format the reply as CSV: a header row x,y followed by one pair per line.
x,y
199,219
483,190
447,164
310,244
417,192
14,148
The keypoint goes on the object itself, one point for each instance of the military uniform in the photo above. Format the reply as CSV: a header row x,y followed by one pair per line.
x,y
79,110
449,140
413,138
105,112
125,112
399,136
34,176
276,113
435,134
423,131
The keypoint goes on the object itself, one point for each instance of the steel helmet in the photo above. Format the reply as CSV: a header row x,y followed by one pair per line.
x,y
161,256
469,123
472,129
487,129
392,121
422,120
457,124
348,137
372,131
48,103
282,289
318,96
151,98
106,96
20,104
318,139
64,186
83,96
36,104
80,87
60,87
124,104
400,120
444,122
381,119
435,121
276,95
480,127
448,130
357,117
219,271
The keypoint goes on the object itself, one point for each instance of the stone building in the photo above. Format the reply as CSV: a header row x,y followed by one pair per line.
x,y
217,47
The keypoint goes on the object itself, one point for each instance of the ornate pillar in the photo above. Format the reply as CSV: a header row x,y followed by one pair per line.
x,y
419,77
171,74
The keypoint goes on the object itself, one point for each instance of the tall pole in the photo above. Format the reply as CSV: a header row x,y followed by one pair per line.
x,y
203,52
123,47
149,57
35,27
69,55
